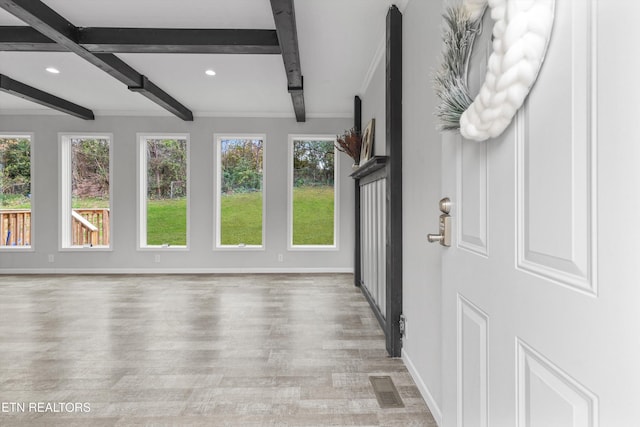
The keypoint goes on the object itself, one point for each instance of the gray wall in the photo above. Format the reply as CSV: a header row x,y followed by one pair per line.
x,y
422,190
373,107
124,256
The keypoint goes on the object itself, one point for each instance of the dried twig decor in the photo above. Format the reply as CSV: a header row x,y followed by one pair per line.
x,y
350,142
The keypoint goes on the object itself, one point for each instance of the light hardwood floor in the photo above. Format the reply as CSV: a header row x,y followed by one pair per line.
x,y
195,350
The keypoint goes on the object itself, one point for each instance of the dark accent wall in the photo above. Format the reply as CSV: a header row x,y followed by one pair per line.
x,y
393,97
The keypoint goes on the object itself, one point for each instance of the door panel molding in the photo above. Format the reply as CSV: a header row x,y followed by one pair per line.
x,y
555,159
472,195
548,396
472,364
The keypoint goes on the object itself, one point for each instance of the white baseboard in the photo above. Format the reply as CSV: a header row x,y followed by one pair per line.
x,y
257,270
424,390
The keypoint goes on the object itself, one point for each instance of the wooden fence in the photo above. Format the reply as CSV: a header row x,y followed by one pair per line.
x,y
90,227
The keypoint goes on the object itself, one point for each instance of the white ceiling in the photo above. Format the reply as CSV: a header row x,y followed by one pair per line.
x,y
338,40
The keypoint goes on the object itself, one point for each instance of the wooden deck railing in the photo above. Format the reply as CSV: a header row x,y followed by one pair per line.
x,y
89,227
15,227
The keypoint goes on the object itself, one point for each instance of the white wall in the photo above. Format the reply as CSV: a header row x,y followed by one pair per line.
x,y
421,180
201,257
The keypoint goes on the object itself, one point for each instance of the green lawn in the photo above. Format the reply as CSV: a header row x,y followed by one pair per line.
x,y
14,201
21,202
241,218
89,203
313,215
167,222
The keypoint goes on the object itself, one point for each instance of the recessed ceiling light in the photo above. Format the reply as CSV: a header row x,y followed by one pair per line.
x,y
210,72
53,70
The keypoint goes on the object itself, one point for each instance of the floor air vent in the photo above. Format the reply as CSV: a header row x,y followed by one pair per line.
x,y
386,392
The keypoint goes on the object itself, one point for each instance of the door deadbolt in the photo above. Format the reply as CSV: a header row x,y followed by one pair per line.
x,y
444,229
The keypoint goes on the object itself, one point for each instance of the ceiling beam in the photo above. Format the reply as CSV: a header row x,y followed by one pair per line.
x,y
155,94
32,94
177,40
26,39
49,23
285,18
146,40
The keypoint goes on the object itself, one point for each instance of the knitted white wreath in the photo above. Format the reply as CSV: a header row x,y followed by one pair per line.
x,y
521,35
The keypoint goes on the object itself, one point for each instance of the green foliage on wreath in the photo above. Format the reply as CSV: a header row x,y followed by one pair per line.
x,y
450,81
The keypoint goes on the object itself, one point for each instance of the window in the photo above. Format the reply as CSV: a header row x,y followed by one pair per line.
x,y
312,192
85,191
163,196
240,199
15,192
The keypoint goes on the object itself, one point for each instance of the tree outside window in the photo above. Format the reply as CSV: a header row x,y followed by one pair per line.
x,y
15,191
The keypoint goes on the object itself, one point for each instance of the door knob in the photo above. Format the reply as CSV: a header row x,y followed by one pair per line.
x,y
444,235
432,238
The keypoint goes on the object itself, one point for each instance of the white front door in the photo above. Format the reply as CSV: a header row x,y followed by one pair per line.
x,y
541,286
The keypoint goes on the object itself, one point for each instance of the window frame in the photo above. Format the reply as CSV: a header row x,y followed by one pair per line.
x,y
141,191
336,193
217,185
31,247
65,192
